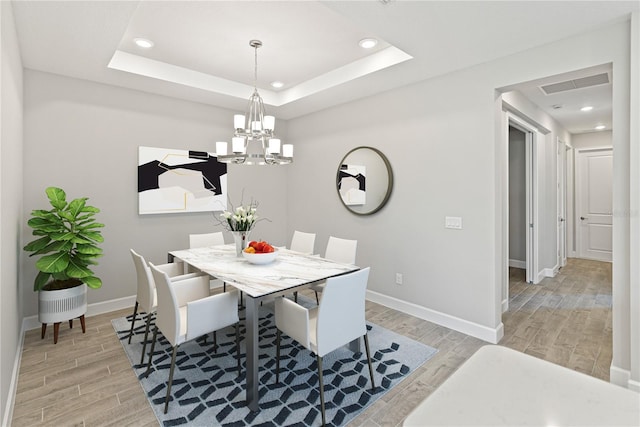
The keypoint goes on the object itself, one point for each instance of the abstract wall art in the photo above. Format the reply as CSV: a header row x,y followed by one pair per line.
x,y
175,181
352,184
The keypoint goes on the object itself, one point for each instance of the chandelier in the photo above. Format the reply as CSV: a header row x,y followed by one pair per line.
x,y
255,127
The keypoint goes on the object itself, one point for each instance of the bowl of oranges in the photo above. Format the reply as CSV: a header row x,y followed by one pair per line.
x,y
260,252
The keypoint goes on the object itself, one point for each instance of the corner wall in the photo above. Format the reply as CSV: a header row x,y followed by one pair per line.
x,y
11,142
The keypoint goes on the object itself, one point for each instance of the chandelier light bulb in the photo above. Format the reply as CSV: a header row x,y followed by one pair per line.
x,y
274,146
221,148
237,144
269,123
238,121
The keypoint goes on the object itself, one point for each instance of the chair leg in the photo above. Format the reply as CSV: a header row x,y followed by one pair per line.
x,y
146,335
215,342
238,345
133,321
317,299
366,346
321,388
277,356
173,365
224,286
153,344
295,297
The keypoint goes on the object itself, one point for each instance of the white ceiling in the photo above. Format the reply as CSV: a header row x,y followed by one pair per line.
x,y
202,50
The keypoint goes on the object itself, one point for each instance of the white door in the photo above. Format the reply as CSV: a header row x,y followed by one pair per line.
x,y
594,188
531,273
562,203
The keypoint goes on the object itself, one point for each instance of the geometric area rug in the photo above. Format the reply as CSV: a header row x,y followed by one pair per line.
x,y
207,390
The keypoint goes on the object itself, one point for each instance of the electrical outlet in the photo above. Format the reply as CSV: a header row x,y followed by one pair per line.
x,y
453,222
398,278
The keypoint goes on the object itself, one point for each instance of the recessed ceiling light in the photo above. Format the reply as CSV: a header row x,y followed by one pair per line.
x,y
586,108
368,43
277,84
143,43
600,127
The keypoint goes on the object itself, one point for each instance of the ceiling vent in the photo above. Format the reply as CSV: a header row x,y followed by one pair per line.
x,y
595,80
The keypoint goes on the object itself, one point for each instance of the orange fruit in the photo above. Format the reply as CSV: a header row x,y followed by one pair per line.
x,y
250,250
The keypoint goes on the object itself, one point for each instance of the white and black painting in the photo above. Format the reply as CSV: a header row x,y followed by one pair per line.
x,y
173,181
352,184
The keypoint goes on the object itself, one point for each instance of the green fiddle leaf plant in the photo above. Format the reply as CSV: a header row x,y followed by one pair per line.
x,y
68,238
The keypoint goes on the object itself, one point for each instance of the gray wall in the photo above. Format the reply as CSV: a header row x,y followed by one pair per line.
x,y
442,137
517,196
84,137
10,201
592,140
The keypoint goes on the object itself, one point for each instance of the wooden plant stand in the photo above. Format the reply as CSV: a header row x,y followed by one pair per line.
x,y
56,328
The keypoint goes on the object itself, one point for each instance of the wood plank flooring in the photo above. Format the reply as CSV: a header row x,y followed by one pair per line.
x,y
86,379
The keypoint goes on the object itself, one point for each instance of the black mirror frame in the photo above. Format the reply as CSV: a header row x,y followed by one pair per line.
x,y
389,184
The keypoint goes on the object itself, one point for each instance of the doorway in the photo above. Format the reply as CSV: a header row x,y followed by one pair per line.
x,y
562,202
522,198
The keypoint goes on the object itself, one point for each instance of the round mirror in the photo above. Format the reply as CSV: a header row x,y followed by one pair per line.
x,y
364,180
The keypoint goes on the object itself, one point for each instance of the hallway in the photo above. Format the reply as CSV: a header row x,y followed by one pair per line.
x,y
565,319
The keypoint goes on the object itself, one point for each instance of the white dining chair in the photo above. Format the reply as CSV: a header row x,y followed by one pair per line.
x,y
338,250
186,311
146,298
204,240
338,320
303,242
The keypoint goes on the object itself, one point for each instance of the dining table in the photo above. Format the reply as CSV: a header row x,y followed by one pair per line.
x,y
290,272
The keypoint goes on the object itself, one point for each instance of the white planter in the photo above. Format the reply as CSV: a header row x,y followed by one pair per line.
x,y
62,305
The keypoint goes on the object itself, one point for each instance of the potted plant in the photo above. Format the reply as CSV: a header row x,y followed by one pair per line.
x,y
68,238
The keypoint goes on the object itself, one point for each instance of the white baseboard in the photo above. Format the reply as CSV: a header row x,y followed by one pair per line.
x,y
491,335
634,385
11,397
551,272
619,376
516,263
94,309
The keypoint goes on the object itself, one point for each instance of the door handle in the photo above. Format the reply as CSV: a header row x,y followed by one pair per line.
x,y
561,219
583,218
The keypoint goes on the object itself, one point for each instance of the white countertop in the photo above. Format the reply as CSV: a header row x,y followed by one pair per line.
x,y
499,386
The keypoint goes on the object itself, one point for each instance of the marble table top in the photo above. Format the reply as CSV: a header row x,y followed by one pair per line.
x,y
499,386
289,270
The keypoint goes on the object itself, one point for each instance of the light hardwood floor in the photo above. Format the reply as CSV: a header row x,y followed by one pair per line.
x,y
86,379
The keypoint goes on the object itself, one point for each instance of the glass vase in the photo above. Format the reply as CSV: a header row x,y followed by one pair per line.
x,y
241,238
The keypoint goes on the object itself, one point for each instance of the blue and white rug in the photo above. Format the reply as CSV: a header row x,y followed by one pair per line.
x,y
207,390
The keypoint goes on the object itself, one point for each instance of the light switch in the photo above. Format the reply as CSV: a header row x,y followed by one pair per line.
x,y
454,222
